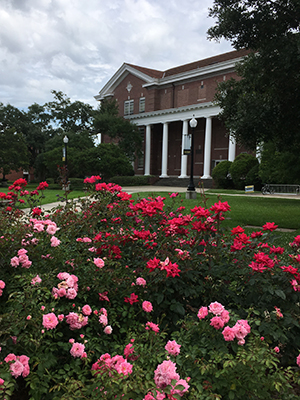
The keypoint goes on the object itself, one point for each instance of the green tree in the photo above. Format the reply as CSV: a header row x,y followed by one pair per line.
x,y
264,105
69,116
13,151
79,142
279,166
62,117
126,134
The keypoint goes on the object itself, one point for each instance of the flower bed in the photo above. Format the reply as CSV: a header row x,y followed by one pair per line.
x,y
131,300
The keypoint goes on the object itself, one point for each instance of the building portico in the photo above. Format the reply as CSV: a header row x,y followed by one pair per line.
x,y
161,104
164,120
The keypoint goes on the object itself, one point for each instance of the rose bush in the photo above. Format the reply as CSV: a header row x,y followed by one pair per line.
x,y
123,299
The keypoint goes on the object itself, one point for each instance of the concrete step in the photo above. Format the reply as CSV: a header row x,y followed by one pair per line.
x,y
183,182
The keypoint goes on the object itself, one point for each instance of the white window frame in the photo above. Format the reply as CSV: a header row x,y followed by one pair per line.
x,y
142,104
128,107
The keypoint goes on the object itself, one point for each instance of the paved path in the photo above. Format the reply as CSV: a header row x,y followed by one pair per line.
x,y
169,189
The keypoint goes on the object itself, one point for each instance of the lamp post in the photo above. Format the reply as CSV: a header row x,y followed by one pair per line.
x,y
191,193
65,140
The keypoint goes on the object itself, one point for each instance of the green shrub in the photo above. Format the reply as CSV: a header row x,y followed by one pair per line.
x,y
50,181
136,180
221,175
279,167
113,161
240,168
253,178
76,183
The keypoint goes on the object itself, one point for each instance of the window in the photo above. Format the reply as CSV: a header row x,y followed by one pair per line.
x,y
142,105
128,107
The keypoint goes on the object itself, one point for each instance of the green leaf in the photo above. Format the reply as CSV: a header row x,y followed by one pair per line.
x,y
280,293
160,298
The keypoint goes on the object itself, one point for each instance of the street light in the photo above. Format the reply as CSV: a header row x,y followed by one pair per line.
x,y
65,140
65,159
191,188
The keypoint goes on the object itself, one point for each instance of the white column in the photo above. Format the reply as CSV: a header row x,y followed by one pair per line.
x,y
147,150
164,157
207,149
231,148
183,168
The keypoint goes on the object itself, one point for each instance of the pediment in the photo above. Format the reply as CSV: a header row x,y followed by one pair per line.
x,y
120,75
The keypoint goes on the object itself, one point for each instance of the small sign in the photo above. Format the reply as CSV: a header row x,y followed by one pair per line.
x,y
249,189
187,144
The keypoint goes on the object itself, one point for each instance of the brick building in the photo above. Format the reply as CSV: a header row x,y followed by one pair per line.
x,y
162,103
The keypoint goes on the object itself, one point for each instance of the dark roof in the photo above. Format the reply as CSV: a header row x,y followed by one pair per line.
x,y
194,65
206,62
154,73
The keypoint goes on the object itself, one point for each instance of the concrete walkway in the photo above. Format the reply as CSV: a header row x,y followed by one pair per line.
x,y
169,189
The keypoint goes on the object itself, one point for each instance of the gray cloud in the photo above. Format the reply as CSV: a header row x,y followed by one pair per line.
x,y
75,46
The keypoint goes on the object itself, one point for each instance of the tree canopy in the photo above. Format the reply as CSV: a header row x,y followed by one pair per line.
x,y
264,105
34,138
127,135
13,151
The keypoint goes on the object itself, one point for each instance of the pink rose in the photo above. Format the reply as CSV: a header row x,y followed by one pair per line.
x,y
14,262
147,306
165,373
141,282
61,292
103,319
99,262
10,357
173,348
202,313
228,334
54,241
71,293
216,308
38,227
240,331
225,316
86,310
77,349
151,325
35,280
217,322
16,369
108,330
50,321
51,229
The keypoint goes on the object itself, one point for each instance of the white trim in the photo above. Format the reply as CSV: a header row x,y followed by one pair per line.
x,y
203,110
215,68
115,80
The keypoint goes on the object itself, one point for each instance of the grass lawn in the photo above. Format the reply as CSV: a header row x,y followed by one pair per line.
x,y
246,210
51,196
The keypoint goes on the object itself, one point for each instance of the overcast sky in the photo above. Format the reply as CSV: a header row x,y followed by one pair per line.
x,y
75,46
